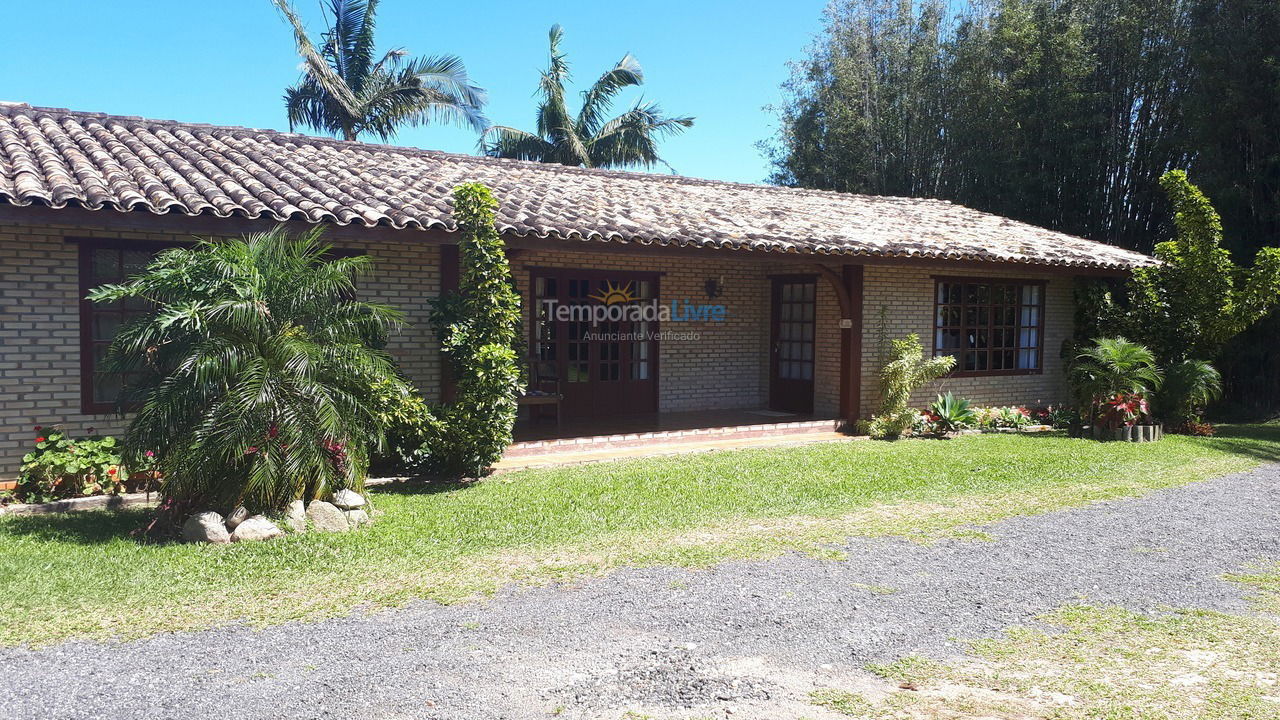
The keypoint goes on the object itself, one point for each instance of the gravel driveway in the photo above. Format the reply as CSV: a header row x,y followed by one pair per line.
x,y
749,639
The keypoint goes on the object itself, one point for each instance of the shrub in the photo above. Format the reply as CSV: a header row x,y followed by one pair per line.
x,y
951,413
478,330
412,429
906,371
255,364
60,466
995,418
1188,387
1112,379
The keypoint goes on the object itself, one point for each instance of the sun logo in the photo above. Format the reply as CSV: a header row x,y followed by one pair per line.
x,y
613,294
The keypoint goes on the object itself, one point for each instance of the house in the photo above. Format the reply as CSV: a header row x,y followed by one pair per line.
x,y
645,295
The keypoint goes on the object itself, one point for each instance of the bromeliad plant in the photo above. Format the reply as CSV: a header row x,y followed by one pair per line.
x,y
254,367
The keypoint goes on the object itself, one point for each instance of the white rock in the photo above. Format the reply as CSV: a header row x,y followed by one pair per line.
x,y
236,517
356,518
348,499
205,527
295,518
256,528
326,517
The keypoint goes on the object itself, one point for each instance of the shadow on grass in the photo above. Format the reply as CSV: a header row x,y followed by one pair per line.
x,y
91,527
421,486
1261,442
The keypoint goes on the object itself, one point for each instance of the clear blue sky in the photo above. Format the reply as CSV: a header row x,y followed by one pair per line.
x,y
228,62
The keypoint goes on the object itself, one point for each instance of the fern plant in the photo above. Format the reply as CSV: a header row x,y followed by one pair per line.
x,y
254,367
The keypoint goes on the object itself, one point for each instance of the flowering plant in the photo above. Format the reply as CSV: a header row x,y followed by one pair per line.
x,y
1124,409
992,418
61,466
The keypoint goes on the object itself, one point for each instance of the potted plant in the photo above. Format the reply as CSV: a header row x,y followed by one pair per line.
x,y
1111,381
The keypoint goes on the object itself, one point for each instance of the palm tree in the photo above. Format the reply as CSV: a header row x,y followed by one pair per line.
x,y
254,368
344,91
1112,369
589,140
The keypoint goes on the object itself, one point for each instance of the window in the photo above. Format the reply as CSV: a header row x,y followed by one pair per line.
x,y
992,327
106,262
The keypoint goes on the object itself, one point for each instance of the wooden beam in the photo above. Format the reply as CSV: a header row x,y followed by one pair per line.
x,y
847,284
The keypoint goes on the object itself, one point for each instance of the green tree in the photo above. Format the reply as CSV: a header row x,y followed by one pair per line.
x,y
254,366
347,90
1197,299
478,329
591,139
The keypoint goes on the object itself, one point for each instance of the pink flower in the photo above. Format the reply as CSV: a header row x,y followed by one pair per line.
x,y
150,453
251,450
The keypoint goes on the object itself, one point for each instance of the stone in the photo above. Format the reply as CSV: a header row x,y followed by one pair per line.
x,y
357,517
205,527
256,529
348,499
236,517
326,517
295,518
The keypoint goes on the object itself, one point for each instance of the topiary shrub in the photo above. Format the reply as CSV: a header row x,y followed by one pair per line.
x,y
906,371
478,328
253,370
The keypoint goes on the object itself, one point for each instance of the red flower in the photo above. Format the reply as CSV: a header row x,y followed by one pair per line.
x,y
251,450
39,439
112,471
39,428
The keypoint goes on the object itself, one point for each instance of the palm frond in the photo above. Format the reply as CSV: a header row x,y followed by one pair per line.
x,y
315,65
632,138
508,142
597,99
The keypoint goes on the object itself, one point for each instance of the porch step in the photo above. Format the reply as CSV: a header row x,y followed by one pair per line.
x,y
629,440
600,452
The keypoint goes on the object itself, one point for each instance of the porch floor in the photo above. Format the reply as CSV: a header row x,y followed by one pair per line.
x,y
652,434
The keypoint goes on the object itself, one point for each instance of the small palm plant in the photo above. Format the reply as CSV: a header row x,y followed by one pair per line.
x,y
1113,379
347,90
254,368
1188,387
591,139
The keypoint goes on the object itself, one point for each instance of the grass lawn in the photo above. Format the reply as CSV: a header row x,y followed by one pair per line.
x,y
79,574
1097,663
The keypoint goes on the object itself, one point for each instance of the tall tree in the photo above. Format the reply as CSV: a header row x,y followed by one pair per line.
x,y
347,90
591,139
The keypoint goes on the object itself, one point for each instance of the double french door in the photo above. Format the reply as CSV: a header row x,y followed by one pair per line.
x,y
605,366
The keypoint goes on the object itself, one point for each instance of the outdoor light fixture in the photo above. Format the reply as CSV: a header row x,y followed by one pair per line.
x,y
714,287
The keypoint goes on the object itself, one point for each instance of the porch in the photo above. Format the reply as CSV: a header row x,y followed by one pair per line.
x,y
649,434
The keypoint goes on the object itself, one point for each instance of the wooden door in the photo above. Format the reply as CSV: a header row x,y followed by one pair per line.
x,y
607,367
791,364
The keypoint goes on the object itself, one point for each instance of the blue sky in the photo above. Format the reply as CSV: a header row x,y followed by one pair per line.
x,y
227,62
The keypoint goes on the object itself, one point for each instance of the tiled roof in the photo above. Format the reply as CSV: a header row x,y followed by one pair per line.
x,y
61,158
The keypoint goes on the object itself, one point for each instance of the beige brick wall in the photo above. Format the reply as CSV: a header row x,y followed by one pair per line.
x,y
726,367
903,296
40,325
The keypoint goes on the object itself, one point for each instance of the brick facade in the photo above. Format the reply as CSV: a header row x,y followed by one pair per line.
x,y
899,300
727,367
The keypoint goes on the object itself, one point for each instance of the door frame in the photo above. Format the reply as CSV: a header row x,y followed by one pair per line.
x,y
775,289
562,358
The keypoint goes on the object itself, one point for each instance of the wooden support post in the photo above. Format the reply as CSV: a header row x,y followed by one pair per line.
x,y
848,288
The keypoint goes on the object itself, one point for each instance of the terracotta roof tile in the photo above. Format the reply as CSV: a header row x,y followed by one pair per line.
x,y
61,158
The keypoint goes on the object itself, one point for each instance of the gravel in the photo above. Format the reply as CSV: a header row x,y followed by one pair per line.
x,y
745,640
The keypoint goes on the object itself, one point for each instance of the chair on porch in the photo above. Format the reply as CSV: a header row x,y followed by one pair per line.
x,y
543,390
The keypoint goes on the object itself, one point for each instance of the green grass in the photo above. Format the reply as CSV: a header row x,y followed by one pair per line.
x,y
79,574
1099,663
